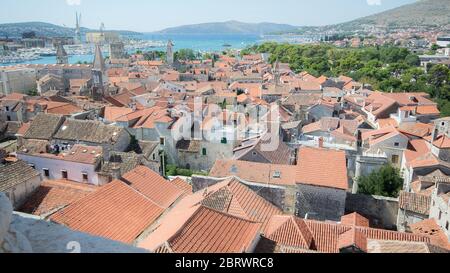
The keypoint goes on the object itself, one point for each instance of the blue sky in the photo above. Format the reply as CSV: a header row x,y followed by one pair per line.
x,y
152,15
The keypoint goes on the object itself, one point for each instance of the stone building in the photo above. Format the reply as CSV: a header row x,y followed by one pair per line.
x,y
322,184
18,181
92,133
17,79
50,83
440,205
117,50
413,208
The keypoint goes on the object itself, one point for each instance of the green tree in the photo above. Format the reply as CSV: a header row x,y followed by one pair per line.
x,y
434,47
384,182
185,55
32,92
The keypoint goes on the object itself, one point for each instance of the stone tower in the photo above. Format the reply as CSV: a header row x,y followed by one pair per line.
x,y
276,72
78,39
98,74
61,54
170,53
117,50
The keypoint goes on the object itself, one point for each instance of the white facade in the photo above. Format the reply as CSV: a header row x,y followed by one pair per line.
x,y
54,169
440,208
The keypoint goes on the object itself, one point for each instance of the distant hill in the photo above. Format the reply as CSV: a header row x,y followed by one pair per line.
x,y
230,27
14,30
422,13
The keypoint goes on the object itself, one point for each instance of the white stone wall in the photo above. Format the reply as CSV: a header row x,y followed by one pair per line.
x,y
74,170
440,210
19,80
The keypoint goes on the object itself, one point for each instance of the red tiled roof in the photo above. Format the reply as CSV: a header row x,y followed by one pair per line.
x,y
322,167
153,186
442,142
255,172
418,203
387,122
416,148
353,238
289,231
116,211
354,219
211,231
329,237
112,113
182,185
55,194
416,129
24,128
233,197
430,228
428,110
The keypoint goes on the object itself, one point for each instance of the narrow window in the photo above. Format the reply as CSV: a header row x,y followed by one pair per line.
x,y
64,174
46,173
395,159
162,141
204,151
85,177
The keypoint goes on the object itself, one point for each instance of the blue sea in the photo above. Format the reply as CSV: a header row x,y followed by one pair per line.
x,y
200,42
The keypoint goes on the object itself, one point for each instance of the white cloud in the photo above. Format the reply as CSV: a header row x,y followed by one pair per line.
x,y
374,2
73,2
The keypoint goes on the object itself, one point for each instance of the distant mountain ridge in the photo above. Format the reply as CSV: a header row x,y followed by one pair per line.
x,y
421,13
229,27
14,30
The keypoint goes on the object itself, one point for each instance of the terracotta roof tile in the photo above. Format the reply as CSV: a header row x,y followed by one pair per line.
x,y
416,129
327,237
402,247
418,203
430,228
153,186
442,142
210,231
322,167
53,195
236,199
354,219
255,172
182,185
116,211
112,113
353,238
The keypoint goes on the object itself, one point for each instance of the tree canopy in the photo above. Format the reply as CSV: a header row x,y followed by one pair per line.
x,y
384,182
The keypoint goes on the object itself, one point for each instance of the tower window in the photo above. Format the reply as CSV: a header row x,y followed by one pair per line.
x,y
46,172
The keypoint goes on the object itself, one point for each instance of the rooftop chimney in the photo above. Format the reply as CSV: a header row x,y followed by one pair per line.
x,y
321,142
